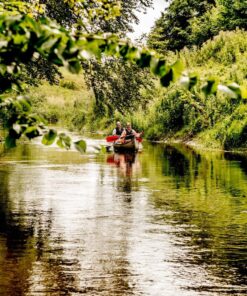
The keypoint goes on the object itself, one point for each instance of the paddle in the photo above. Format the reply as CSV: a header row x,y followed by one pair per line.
x,y
111,138
115,137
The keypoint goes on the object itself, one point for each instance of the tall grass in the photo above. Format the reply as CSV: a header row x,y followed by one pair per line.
x,y
67,104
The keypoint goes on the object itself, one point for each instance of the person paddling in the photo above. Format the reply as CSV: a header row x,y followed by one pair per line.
x,y
129,132
118,130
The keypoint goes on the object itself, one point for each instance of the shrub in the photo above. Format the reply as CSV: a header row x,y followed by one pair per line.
x,y
68,84
236,135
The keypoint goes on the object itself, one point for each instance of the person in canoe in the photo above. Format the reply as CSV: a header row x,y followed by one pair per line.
x,y
118,130
129,133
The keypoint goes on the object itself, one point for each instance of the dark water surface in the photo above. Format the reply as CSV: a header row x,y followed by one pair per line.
x,y
169,221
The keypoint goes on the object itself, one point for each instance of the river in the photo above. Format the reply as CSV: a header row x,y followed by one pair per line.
x,y
169,221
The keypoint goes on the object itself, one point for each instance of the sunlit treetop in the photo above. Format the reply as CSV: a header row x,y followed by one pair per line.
x,y
84,10
32,8
115,16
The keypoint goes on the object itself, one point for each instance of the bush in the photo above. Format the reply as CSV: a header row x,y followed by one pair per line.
x,y
236,135
68,84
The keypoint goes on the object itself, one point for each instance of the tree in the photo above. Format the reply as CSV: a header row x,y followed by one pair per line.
x,y
192,22
172,31
233,14
117,85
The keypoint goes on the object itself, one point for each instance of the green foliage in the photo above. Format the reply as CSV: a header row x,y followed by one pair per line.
x,y
34,7
64,141
50,137
68,104
233,14
236,135
65,12
226,48
51,41
82,16
231,132
215,107
68,84
117,85
172,31
191,22
175,110
81,146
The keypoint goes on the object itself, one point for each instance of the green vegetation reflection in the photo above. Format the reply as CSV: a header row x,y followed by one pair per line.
x,y
205,195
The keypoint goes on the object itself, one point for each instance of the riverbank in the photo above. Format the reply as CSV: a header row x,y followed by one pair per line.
x,y
198,144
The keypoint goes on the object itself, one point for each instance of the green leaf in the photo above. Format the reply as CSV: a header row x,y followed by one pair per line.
x,y
177,69
60,143
189,82
193,81
100,148
185,81
123,50
49,138
64,141
159,68
81,146
74,67
144,60
210,87
103,149
167,78
3,69
17,128
32,132
235,88
243,92
133,53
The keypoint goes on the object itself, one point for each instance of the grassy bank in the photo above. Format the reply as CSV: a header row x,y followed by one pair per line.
x,y
216,121
67,104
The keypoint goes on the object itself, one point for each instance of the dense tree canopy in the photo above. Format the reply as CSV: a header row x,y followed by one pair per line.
x,y
233,14
117,85
173,30
191,22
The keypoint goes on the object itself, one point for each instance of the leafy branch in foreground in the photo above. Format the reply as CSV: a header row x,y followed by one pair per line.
x,y
22,38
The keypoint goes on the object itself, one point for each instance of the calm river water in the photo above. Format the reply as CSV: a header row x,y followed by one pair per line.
x,y
170,221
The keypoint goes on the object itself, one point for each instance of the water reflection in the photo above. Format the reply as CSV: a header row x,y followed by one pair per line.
x,y
169,221
128,166
15,234
208,201
42,244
